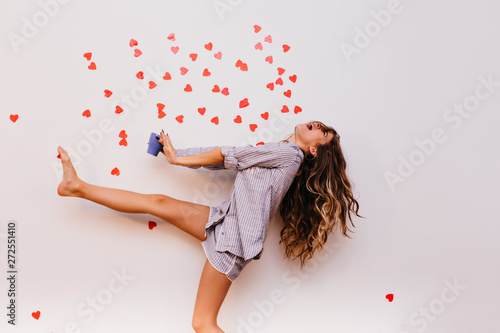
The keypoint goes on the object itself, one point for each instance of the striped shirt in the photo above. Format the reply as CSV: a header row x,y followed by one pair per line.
x,y
264,175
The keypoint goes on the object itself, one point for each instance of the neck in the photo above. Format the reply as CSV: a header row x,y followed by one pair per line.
x,y
293,139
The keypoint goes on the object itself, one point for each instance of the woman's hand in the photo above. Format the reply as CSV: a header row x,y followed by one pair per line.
x,y
168,149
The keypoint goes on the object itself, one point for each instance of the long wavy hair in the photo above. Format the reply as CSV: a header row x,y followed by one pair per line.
x,y
318,200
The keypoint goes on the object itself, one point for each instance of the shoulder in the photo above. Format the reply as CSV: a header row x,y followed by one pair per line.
x,y
288,150
292,148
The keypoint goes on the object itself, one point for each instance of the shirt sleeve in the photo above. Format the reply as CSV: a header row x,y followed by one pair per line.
x,y
266,156
199,150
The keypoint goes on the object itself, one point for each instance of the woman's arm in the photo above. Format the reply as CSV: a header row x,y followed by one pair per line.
x,y
210,157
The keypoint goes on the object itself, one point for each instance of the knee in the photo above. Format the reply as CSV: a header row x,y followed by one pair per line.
x,y
161,199
196,326
201,325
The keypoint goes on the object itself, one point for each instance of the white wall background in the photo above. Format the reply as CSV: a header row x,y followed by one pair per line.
x,y
435,227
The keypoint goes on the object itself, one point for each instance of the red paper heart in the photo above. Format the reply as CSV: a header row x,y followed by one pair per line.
x,y
174,49
188,88
286,48
133,42
244,103
58,155
184,70
171,37
281,70
297,109
123,142
259,143
216,89
13,117
202,110
123,134
256,28
269,59
268,39
151,225
265,115
86,113
140,75
288,93
253,127
215,120
206,72
285,109
137,53
152,85
160,106
208,46
241,65
193,56
167,76
107,93
279,81
270,86
92,66
36,315
225,91
293,78
180,118
115,172
88,55
389,297
161,114
218,55
258,46
118,109
237,119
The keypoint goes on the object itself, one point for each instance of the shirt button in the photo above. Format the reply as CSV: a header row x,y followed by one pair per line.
x,y
223,233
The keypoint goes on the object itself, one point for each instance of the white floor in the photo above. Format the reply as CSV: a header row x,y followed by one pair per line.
x,y
412,87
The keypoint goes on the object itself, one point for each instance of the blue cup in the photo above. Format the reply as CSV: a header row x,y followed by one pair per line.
x,y
154,146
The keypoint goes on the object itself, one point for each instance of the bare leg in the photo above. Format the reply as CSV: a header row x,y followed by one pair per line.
x,y
187,216
212,290
120,200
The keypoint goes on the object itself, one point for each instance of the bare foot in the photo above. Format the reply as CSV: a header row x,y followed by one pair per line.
x,y
70,184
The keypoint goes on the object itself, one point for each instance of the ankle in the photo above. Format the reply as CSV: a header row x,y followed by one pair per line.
x,y
78,188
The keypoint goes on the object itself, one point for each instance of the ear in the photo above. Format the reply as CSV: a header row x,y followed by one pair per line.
x,y
312,150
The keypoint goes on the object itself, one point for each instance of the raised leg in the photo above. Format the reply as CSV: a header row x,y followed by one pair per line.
x,y
212,290
187,216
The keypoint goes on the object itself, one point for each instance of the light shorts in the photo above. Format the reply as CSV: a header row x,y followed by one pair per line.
x,y
225,262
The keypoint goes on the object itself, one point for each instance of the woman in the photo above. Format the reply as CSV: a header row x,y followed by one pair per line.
x,y
303,176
